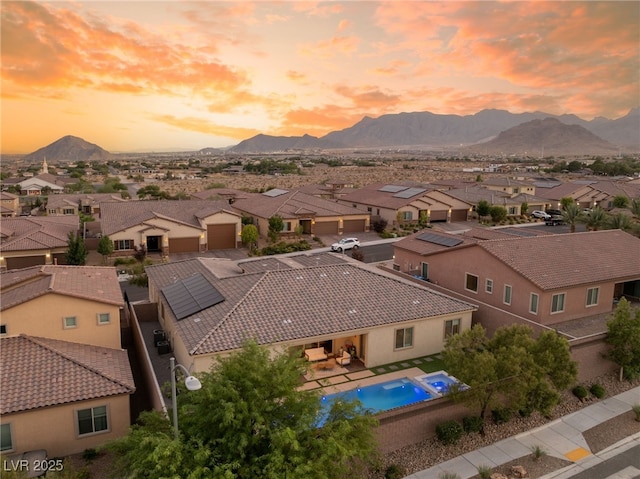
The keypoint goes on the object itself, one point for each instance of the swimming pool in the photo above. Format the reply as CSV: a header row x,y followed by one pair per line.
x,y
439,382
382,396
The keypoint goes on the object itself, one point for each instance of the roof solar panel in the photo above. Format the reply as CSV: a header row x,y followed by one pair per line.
x,y
393,188
409,192
191,295
275,192
439,239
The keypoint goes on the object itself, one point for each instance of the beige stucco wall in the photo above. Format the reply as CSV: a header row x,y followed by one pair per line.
x,y
55,428
48,253
159,227
43,317
449,270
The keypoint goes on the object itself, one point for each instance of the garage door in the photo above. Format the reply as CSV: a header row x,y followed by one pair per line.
x,y
459,215
59,258
25,262
184,245
221,236
353,226
439,215
325,228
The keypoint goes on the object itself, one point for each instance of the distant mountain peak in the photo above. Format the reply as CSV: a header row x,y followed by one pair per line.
x,y
69,148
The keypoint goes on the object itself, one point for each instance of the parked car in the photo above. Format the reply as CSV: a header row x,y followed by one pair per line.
x,y
540,214
553,212
345,244
554,220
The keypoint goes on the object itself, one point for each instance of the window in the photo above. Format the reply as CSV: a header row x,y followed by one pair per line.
x,y
451,327
488,286
369,209
513,210
404,338
104,318
286,226
471,283
3,329
592,296
92,420
6,442
396,267
407,215
122,244
68,211
424,271
557,303
70,322
507,294
533,303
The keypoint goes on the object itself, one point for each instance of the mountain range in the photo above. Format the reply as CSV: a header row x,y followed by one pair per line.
x,y
486,132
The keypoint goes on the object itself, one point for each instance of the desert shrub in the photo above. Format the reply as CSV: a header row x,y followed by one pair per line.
x,y
538,451
448,475
89,454
284,247
484,471
449,432
636,410
597,390
119,261
472,424
580,392
379,225
394,472
387,234
501,415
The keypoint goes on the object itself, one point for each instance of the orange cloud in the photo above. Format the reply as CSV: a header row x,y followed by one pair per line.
x,y
370,99
200,125
329,48
318,121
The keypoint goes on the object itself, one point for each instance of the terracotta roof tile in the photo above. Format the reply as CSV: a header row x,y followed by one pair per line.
x,y
47,372
20,234
564,260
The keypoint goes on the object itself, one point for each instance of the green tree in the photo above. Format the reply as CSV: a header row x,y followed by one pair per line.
x,y
105,248
483,208
524,208
595,219
276,225
77,252
566,201
498,213
250,420
624,337
572,215
511,370
249,235
620,201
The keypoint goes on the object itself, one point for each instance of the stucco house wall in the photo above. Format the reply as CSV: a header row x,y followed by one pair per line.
x,y
44,317
56,428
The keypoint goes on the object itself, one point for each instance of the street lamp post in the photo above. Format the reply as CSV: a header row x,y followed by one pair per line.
x,y
191,382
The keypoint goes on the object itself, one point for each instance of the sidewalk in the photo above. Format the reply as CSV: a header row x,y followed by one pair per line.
x,y
561,438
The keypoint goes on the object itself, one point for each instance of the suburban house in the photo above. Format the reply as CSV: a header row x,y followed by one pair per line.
x,y
35,240
315,215
210,306
229,194
407,203
166,226
509,200
591,193
546,279
42,184
70,381
85,203
9,204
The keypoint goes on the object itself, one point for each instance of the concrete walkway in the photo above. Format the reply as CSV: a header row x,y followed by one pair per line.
x,y
561,438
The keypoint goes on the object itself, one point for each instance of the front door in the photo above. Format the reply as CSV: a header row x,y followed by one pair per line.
x,y
153,243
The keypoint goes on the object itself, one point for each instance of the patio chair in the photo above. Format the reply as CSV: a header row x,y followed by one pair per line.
x,y
344,359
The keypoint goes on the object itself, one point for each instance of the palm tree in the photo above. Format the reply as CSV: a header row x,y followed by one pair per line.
x,y
572,215
620,221
595,219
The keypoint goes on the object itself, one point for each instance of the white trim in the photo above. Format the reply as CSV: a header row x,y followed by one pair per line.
x,y
66,326
537,303
597,290
94,432
564,300
504,294
103,323
486,283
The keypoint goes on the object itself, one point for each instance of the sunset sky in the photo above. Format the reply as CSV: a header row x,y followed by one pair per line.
x,y
154,76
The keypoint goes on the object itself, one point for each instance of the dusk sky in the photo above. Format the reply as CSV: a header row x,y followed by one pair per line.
x,y
151,75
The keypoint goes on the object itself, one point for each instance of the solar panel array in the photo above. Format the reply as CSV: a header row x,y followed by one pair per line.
x,y
393,188
275,192
409,193
439,239
191,295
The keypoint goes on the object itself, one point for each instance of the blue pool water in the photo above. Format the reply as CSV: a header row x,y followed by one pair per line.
x,y
439,382
383,396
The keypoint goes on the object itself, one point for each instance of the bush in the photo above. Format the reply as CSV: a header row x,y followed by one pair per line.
x,y
449,432
89,454
284,247
580,392
501,415
484,471
472,424
394,472
379,225
598,391
636,410
119,261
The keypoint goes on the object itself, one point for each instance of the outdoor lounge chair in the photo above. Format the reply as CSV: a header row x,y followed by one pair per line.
x,y
344,359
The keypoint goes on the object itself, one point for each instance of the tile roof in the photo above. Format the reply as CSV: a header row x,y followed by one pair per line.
x,y
57,201
371,195
217,193
565,260
36,232
292,204
118,216
47,372
94,283
293,304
